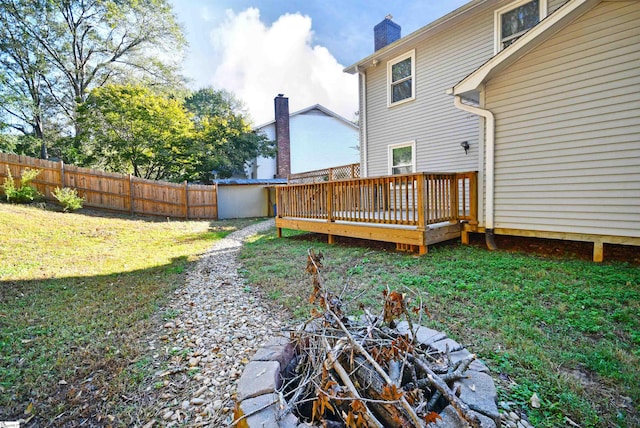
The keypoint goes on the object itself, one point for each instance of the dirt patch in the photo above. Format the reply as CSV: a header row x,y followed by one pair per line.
x,y
558,248
549,248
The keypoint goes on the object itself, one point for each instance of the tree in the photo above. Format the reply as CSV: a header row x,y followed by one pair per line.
x,y
128,129
22,71
223,142
86,44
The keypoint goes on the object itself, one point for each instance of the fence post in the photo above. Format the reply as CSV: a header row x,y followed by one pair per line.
x,y
131,194
61,174
186,200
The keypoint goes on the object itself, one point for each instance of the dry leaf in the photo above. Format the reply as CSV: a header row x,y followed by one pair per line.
x,y
390,393
432,417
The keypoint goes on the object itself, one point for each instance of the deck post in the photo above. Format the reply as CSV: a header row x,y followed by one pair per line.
x,y
421,206
473,198
453,199
329,202
464,235
598,251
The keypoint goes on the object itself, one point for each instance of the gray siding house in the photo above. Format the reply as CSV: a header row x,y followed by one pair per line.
x,y
541,97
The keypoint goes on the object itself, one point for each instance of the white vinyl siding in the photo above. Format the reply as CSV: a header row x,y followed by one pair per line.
x,y
442,60
552,5
568,129
431,119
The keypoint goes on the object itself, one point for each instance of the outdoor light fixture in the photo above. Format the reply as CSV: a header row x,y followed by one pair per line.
x,y
465,146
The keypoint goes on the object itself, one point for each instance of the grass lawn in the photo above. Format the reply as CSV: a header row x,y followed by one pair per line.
x,y
566,329
78,292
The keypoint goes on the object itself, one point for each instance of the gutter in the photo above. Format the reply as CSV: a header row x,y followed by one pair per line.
x,y
363,123
490,165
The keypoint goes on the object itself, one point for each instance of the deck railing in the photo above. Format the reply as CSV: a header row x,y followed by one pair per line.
x,y
410,200
342,172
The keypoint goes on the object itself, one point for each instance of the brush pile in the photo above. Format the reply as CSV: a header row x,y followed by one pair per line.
x,y
365,372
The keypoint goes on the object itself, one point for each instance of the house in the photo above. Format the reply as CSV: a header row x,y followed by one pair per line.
x,y
309,139
537,101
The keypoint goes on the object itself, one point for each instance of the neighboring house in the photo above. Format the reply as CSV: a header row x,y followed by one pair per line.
x,y
541,97
309,139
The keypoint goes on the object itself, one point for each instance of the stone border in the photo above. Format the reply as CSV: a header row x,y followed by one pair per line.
x,y
261,378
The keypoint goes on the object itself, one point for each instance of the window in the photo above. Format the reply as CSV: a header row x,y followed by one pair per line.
x,y
402,159
400,77
514,20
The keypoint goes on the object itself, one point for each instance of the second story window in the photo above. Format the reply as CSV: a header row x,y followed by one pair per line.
x,y
516,19
401,78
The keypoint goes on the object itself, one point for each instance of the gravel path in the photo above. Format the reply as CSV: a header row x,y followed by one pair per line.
x,y
219,324
216,325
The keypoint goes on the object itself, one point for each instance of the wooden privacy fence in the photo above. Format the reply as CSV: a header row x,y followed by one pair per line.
x,y
410,200
118,192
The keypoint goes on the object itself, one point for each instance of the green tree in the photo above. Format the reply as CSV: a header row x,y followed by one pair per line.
x,y
27,145
22,71
223,141
60,50
129,129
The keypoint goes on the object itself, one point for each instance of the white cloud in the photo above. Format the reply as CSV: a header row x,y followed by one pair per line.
x,y
257,62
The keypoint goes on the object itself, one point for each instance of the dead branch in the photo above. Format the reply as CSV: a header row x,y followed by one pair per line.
x,y
462,409
416,420
344,376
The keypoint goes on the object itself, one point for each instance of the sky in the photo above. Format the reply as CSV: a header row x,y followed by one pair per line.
x,y
258,49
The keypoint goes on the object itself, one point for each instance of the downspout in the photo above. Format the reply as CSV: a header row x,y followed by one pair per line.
x,y
489,168
363,123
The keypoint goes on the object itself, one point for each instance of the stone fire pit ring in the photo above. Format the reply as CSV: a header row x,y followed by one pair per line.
x,y
261,379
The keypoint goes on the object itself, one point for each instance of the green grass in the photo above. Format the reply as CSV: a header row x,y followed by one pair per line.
x,y
566,329
78,296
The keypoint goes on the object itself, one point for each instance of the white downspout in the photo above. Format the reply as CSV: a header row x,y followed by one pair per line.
x,y
489,169
363,124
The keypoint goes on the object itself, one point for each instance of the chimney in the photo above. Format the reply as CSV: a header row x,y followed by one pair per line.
x,y
385,33
283,141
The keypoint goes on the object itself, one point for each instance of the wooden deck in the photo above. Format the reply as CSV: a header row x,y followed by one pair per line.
x,y
412,210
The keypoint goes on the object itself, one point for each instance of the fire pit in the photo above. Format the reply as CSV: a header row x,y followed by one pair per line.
x,y
260,395
373,371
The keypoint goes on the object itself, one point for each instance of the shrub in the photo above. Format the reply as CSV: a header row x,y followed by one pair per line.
x,y
24,193
68,198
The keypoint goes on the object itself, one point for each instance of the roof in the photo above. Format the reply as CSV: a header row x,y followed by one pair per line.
x,y
251,181
470,85
392,49
314,107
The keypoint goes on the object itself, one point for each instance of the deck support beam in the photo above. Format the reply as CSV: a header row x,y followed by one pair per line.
x,y
331,239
